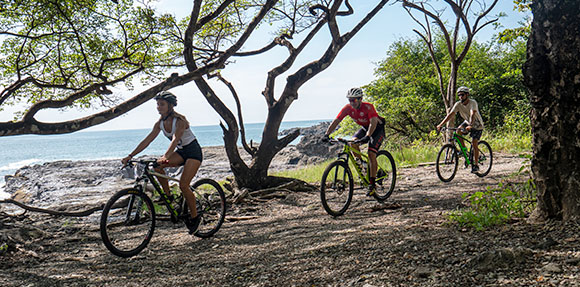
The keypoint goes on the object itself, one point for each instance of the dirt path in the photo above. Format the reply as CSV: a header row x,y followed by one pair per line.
x,y
294,243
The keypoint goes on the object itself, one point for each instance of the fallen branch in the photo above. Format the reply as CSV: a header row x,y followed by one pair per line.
x,y
53,212
240,218
263,195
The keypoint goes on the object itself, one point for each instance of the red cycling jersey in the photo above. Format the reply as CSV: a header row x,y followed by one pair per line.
x,y
361,116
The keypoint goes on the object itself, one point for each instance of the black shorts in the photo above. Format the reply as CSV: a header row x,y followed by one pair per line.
x,y
376,139
192,150
473,133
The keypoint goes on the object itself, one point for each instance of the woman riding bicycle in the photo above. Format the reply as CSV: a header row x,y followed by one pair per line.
x,y
183,150
372,128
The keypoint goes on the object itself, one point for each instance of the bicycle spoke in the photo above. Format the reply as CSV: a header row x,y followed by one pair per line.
x,y
211,206
485,159
386,176
127,223
446,164
336,188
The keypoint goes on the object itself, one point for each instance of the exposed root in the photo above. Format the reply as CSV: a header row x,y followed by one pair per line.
x,y
266,194
53,212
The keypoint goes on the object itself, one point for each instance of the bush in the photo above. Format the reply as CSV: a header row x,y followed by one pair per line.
x,y
496,206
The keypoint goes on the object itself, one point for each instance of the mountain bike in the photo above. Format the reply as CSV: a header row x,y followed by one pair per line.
x,y
448,157
337,184
128,218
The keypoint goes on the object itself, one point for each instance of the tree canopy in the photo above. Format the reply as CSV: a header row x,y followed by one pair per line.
x,y
406,87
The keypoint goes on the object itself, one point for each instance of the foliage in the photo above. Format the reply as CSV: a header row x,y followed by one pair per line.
x,y
499,205
412,154
310,173
65,46
406,90
52,50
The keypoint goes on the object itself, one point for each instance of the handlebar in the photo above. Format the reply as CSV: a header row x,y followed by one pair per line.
x,y
147,162
450,129
340,140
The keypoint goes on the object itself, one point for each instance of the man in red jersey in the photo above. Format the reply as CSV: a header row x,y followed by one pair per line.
x,y
372,128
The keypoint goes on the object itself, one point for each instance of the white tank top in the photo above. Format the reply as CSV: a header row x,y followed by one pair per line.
x,y
187,137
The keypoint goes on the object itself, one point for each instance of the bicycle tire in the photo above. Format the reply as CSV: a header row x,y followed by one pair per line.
x,y
450,160
485,156
340,180
127,222
386,176
211,206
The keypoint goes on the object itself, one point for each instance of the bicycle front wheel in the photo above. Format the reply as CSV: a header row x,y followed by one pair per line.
x,y
386,176
485,158
336,188
210,202
127,222
447,161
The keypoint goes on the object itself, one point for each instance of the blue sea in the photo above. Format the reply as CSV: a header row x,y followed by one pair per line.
x,y
19,151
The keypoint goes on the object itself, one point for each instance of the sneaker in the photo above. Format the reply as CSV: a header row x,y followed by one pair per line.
x,y
192,223
474,168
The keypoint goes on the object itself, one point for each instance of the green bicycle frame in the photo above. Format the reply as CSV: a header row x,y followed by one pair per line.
x,y
462,148
348,151
149,175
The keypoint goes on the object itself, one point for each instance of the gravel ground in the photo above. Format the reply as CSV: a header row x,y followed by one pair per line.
x,y
291,241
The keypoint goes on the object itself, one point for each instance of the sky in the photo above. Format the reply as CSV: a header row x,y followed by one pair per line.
x,y
319,99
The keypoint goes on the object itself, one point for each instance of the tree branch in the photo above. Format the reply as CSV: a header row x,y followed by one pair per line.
x,y
54,212
248,149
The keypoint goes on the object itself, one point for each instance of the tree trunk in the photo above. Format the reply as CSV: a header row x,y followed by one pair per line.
x,y
552,73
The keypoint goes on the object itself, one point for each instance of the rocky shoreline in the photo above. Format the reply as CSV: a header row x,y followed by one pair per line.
x,y
76,184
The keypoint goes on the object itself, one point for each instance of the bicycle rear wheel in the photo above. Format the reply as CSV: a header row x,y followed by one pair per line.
x,y
336,188
447,161
210,202
485,158
386,176
127,222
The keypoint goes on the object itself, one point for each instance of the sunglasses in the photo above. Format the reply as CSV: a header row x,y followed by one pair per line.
x,y
352,100
462,94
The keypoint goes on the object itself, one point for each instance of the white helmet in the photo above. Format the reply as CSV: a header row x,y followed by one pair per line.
x,y
355,93
463,89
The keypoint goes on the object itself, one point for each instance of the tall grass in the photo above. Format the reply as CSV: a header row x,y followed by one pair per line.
x,y
414,154
511,142
409,155
310,173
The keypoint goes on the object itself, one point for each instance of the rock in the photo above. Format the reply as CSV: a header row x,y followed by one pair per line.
x,y
573,261
552,268
81,184
422,272
546,244
311,149
501,258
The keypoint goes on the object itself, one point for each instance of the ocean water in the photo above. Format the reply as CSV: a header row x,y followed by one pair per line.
x,y
19,151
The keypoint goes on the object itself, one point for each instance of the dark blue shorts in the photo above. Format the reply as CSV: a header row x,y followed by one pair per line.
x,y
192,150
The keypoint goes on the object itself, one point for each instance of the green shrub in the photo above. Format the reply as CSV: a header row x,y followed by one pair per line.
x,y
496,206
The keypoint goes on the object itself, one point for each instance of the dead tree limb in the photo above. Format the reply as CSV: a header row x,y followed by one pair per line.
x,y
54,212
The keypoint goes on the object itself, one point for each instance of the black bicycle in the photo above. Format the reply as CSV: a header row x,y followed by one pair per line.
x,y
128,218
